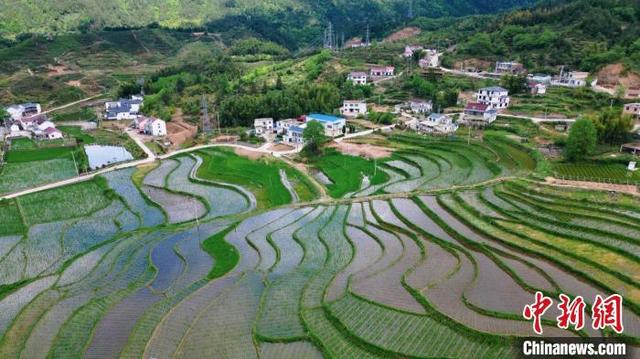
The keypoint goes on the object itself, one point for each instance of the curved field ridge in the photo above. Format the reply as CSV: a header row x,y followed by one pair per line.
x,y
122,266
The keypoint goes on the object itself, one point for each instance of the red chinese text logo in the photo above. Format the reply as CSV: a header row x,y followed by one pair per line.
x,y
605,312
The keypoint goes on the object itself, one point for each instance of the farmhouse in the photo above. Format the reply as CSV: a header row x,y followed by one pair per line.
x,y
155,127
294,134
17,112
420,106
52,133
479,114
632,92
151,126
123,109
509,67
438,124
572,79
410,50
358,78
333,126
632,109
283,126
263,126
540,78
431,59
537,88
352,108
382,71
495,96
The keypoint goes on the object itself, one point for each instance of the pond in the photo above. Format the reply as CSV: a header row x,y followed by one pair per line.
x,y
100,156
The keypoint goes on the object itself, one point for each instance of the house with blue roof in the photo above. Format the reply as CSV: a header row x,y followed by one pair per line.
x,y
333,126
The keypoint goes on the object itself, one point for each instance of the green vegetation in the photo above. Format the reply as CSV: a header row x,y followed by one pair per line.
x,y
21,144
583,34
73,201
314,138
260,176
598,172
345,172
23,175
17,156
10,219
225,256
77,133
582,140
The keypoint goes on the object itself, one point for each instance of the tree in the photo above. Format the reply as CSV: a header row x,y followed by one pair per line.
x,y
314,137
582,140
613,128
514,83
3,114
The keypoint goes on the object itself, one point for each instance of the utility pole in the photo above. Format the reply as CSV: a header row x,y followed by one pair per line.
x,y
410,12
367,36
206,121
329,37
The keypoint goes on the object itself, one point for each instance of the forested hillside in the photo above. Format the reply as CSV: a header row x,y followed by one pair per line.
x,y
292,19
584,34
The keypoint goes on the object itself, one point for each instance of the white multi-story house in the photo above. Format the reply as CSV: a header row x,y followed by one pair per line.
x,y
17,112
283,126
156,127
420,106
632,109
123,109
382,71
537,88
495,96
572,79
333,126
431,59
438,124
479,114
263,126
353,108
294,135
358,78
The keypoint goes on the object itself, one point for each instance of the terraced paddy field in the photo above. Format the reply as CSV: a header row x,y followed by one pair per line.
x,y
159,263
420,163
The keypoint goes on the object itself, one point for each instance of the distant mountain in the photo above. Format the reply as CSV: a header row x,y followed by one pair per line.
x,y
583,34
297,19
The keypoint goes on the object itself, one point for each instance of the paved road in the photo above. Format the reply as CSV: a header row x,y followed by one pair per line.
x,y
540,119
151,157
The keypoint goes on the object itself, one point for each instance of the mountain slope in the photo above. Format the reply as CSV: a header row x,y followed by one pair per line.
x,y
583,34
54,16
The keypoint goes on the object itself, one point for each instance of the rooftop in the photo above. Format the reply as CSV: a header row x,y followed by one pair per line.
x,y
323,118
474,106
494,89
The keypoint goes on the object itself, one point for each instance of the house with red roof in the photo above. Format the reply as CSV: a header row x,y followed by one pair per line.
x,y
479,114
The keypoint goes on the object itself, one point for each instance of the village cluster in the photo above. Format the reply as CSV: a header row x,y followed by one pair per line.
x,y
28,120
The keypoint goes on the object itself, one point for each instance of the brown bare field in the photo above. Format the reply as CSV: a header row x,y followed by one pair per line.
x,y
363,150
252,155
595,185
473,63
280,147
613,75
405,33
178,130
